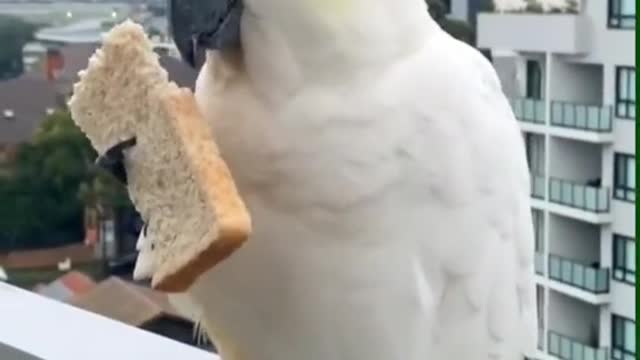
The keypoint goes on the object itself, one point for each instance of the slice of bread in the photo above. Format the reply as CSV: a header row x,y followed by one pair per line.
x,y
176,177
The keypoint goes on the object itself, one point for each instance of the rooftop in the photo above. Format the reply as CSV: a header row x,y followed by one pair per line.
x,y
28,259
126,302
23,104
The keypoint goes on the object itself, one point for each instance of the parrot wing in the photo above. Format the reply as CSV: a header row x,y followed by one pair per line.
x,y
488,256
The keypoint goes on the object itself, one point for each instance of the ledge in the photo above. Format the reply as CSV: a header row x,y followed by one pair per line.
x,y
52,330
522,32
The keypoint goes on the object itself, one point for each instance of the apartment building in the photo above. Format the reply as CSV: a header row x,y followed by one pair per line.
x,y
571,77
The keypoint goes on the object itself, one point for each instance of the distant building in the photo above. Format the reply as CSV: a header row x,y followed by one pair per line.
x,y
33,53
60,13
571,79
65,62
138,306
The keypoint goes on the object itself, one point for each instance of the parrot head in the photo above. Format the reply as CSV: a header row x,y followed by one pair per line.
x,y
201,25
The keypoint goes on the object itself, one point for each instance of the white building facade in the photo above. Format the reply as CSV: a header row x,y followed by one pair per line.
x,y
571,79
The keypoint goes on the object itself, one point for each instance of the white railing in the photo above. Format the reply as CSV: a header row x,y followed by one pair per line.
x,y
53,330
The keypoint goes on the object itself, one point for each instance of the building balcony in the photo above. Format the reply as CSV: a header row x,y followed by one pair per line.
x,y
581,281
522,32
582,122
579,201
582,276
565,348
530,111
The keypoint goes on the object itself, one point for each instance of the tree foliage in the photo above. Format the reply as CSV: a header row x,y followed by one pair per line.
x,y
14,34
50,181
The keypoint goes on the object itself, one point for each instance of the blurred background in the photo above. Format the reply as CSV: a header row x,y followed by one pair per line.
x,y
68,230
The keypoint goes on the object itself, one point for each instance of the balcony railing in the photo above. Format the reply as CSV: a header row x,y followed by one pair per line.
x,y
537,186
529,110
579,196
582,276
539,263
33,324
582,117
566,348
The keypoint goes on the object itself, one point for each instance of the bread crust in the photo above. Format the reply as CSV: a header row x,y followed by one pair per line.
x,y
215,180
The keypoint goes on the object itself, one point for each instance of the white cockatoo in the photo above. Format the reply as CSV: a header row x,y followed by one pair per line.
x,y
386,177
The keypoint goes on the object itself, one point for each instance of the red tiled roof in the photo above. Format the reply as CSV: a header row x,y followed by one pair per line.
x,y
126,302
77,282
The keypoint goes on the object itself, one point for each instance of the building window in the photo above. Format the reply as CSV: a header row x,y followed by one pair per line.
x,y
623,340
534,80
624,181
626,92
622,14
624,259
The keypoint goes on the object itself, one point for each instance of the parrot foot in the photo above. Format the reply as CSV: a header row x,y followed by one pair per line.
x,y
113,160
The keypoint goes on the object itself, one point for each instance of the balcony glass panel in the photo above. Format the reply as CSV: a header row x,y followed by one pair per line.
x,y
579,196
579,275
581,117
567,348
529,110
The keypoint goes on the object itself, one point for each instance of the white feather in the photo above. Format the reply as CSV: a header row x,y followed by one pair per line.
x,y
145,262
388,186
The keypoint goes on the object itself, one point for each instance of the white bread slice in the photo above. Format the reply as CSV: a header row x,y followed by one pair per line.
x,y
177,179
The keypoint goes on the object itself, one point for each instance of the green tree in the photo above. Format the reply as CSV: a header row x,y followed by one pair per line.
x,y
14,34
50,182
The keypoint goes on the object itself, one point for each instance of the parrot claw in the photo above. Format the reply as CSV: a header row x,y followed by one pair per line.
x,y
113,160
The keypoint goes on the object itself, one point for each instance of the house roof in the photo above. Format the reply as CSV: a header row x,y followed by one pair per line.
x,y
24,101
23,107
126,302
77,282
67,286
76,58
77,253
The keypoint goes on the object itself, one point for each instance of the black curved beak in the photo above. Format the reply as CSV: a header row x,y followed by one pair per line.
x,y
113,160
200,25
